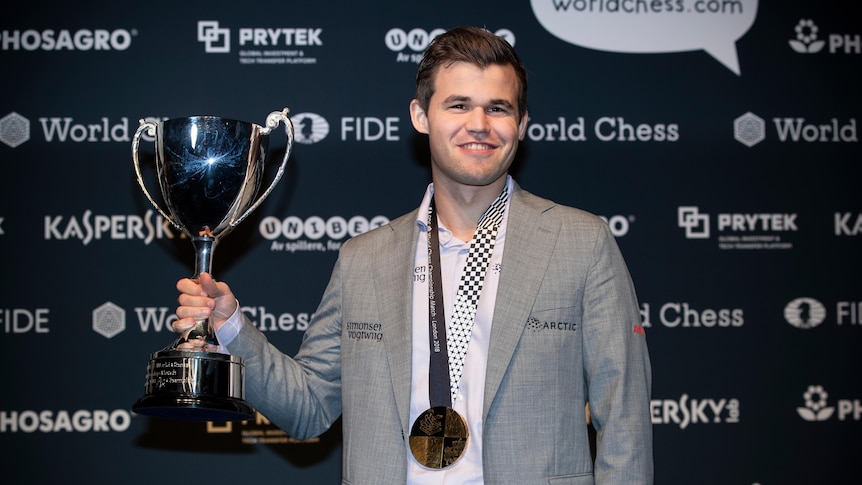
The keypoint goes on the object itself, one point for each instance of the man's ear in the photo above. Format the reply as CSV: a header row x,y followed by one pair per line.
x,y
418,117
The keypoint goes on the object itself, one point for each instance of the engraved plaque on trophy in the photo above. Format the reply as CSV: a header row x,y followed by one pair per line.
x,y
210,171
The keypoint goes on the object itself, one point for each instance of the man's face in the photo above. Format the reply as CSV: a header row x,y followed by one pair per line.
x,y
472,123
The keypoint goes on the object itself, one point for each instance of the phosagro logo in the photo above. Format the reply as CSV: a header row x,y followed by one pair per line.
x,y
58,40
310,128
805,313
817,409
78,421
808,41
14,129
815,405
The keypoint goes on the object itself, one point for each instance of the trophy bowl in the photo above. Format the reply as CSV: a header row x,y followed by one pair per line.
x,y
210,171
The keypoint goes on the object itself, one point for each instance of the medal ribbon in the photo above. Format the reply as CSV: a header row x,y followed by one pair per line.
x,y
448,354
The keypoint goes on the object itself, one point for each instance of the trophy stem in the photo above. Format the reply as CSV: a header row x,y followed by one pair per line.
x,y
204,246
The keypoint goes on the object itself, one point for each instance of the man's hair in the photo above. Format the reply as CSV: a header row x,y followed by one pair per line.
x,y
472,45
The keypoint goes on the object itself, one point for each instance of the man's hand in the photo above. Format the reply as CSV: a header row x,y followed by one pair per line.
x,y
199,300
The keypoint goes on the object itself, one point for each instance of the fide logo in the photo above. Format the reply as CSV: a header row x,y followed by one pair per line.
x,y
815,405
805,313
309,128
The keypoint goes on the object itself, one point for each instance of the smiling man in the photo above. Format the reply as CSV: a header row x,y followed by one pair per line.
x,y
479,371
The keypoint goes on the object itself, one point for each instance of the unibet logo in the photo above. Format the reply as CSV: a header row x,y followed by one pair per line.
x,y
805,313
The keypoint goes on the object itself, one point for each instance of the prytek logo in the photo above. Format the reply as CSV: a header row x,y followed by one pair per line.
x,y
696,225
738,230
216,39
686,411
807,40
417,40
14,129
750,129
57,40
309,128
817,408
805,313
261,45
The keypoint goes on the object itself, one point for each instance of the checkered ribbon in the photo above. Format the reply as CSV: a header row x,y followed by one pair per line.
x,y
472,280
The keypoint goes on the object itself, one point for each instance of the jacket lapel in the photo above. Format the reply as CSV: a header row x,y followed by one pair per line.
x,y
530,240
393,271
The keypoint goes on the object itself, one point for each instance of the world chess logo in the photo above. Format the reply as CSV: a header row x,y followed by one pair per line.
x,y
109,320
14,129
696,225
216,40
749,129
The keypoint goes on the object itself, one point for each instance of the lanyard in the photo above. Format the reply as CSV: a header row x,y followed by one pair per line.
x,y
438,378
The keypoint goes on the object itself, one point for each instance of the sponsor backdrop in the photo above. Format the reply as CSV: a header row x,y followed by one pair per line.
x,y
719,138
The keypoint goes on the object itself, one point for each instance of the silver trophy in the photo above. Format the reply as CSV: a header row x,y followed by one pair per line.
x,y
209,170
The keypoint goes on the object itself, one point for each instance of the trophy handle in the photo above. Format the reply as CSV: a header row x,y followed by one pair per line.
x,y
272,122
150,128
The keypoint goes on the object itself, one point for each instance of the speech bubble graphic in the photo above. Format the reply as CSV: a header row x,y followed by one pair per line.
x,y
651,26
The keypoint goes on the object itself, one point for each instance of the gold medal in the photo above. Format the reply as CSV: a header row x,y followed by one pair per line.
x,y
439,437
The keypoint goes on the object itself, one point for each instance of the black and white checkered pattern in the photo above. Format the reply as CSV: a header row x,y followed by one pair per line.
x,y
472,280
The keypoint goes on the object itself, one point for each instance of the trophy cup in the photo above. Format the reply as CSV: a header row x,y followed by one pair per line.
x,y
209,170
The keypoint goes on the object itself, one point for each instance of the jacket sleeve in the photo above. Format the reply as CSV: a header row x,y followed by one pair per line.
x,y
617,369
301,394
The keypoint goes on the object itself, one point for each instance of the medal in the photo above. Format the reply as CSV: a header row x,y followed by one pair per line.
x,y
438,437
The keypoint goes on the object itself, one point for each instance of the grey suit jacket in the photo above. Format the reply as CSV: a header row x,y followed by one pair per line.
x,y
565,331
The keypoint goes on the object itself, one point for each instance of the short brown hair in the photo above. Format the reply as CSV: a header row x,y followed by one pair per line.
x,y
472,45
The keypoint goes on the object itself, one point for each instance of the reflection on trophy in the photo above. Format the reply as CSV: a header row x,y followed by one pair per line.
x,y
209,170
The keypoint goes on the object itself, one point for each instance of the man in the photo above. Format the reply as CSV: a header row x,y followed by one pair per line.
x,y
556,324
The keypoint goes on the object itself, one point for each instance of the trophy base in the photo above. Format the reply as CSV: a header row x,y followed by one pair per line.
x,y
195,386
